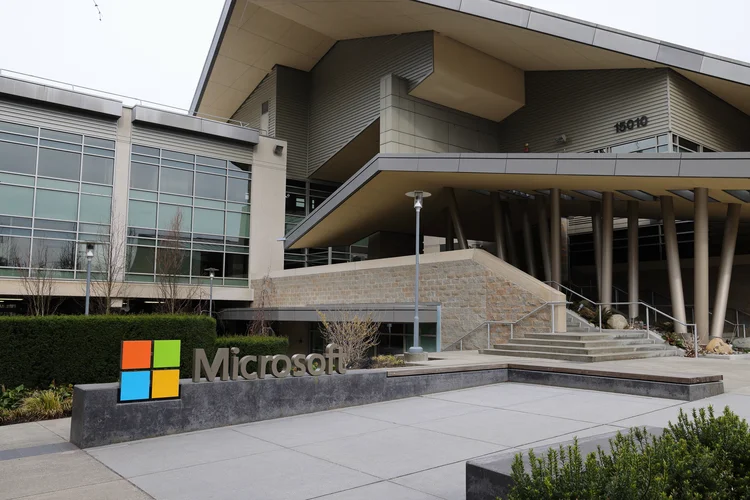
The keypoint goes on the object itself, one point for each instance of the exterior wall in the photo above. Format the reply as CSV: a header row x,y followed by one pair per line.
x,y
67,121
472,286
412,125
189,143
292,110
702,117
585,105
250,110
345,96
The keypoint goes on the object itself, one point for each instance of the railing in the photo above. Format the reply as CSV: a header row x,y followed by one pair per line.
x,y
488,324
601,306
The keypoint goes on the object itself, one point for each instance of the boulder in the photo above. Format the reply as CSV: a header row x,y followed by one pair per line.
x,y
718,346
618,322
742,343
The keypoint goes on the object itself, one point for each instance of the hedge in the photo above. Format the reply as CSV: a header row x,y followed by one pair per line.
x,y
256,345
86,349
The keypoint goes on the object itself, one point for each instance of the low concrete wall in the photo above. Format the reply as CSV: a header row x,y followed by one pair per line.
x,y
98,418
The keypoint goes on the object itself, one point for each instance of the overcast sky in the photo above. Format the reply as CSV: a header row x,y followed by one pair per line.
x,y
155,49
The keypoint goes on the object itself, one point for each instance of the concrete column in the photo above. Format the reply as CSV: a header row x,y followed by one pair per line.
x,y
457,227
554,234
449,235
544,237
119,226
673,262
700,280
596,234
499,224
607,233
528,240
510,240
633,293
725,269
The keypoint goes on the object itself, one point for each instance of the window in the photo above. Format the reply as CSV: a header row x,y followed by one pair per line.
x,y
238,190
54,254
208,221
140,260
59,164
56,205
95,208
17,158
168,214
98,169
202,260
238,224
176,181
264,117
14,252
210,186
16,200
236,265
143,176
141,214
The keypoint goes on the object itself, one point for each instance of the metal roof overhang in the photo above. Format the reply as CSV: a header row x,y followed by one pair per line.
x,y
374,198
253,36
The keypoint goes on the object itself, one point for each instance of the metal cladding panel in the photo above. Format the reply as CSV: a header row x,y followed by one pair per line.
x,y
585,106
57,119
194,144
250,110
292,110
345,93
704,118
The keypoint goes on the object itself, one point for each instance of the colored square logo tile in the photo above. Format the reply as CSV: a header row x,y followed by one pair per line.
x,y
166,353
136,354
165,384
134,386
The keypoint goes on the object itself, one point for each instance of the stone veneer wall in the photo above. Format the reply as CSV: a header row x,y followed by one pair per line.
x,y
470,293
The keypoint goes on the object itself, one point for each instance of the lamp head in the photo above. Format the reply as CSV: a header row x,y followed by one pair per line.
x,y
419,197
211,272
89,251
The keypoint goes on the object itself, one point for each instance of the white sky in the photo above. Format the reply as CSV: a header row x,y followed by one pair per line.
x,y
155,49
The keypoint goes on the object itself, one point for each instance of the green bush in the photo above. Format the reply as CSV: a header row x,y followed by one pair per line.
x,y
702,457
35,351
256,345
55,402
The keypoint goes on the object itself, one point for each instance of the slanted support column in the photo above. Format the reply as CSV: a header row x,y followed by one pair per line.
x,y
457,227
449,234
510,240
700,279
554,234
673,262
596,233
528,240
633,293
544,237
725,269
498,221
607,233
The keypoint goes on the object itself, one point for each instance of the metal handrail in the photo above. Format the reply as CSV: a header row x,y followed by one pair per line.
x,y
488,324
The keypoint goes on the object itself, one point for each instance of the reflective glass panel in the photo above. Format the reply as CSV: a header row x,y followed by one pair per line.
x,y
208,221
238,224
140,260
210,186
95,208
239,169
18,129
17,158
172,261
176,181
238,190
145,150
56,205
14,251
174,155
61,136
98,169
211,161
60,164
236,265
99,143
203,260
143,176
18,138
54,254
169,215
141,213
16,200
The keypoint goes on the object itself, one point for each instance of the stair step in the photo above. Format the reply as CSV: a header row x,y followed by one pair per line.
x,y
585,358
577,336
554,349
587,343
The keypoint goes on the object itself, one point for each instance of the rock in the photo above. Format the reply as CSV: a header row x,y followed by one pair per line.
x,y
718,346
617,322
742,343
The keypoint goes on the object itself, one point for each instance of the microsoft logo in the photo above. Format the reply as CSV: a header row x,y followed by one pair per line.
x,y
149,370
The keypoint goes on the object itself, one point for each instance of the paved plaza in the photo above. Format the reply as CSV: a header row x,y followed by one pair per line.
x,y
413,448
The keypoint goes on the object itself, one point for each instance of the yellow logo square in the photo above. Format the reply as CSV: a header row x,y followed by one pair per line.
x,y
165,384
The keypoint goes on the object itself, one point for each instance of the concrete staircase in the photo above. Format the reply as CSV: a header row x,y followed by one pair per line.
x,y
583,342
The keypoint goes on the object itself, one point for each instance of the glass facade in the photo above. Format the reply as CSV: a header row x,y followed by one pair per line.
x,y
55,195
209,197
302,198
665,143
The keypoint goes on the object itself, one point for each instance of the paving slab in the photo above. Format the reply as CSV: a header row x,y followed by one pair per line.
x,y
738,403
448,481
412,410
113,490
282,474
60,426
26,435
174,452
395,452
51,473
380,491
500,395
504,427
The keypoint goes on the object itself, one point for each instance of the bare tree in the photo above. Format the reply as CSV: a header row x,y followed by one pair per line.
x,y
355,332
108,269
175,296
260,325
37,283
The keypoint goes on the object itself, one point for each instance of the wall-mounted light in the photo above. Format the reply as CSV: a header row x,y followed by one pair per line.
x,y
278,149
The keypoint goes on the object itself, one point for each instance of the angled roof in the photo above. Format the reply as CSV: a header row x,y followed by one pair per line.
x,y
253,36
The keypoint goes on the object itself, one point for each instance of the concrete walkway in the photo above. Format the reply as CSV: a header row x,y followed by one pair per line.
x,y
406,449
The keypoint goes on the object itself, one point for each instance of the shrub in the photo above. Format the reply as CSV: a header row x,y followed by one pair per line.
x,y
256,345
55,402
86,349
702,457
386,361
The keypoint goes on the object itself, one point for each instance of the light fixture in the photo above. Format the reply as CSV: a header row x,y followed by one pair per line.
x,y
89,258
419,197
278,149
152,302
638,194
211,275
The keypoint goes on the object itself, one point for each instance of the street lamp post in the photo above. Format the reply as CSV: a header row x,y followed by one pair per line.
x,y
211,274
89,258
419,197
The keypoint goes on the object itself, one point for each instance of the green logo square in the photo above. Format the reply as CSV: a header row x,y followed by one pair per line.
x,y
166,353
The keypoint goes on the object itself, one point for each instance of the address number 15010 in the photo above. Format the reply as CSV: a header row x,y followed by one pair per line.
x,y
626,125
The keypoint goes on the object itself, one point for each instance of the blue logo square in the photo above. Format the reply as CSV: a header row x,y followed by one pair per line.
x,y
135,385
